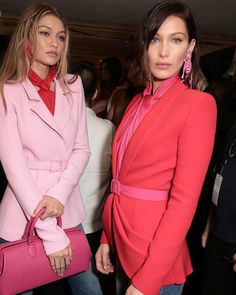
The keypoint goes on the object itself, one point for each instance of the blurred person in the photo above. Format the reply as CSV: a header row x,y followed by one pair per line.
x,y
219,237
111,74
120,99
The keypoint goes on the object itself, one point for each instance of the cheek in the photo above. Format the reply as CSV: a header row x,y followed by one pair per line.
x,y
38,48
150,58
180,59
149,64
150,53
37,52
62,48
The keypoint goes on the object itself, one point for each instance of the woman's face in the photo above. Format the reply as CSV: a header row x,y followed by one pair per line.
x,y
50,42
167,49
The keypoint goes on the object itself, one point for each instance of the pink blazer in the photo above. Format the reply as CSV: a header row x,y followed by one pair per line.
x,y
170,150
42,154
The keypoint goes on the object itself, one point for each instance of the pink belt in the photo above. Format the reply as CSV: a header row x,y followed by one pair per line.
x,y
52,166
138,193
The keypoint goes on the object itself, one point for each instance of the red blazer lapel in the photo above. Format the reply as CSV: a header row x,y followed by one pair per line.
x,y
151,119
128,111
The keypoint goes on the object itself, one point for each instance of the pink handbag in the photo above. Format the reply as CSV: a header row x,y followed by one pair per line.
x,y
24,264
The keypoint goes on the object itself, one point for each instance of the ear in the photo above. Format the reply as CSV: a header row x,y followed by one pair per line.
x,y
192,45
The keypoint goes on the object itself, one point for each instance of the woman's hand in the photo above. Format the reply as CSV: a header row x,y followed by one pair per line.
x,y
133,291
60,260
103,261
54,208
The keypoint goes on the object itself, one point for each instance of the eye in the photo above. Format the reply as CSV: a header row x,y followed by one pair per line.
x,y
44,33
176,40
155,40
62,38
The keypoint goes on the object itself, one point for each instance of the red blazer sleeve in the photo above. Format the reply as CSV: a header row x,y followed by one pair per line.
x,y
195,146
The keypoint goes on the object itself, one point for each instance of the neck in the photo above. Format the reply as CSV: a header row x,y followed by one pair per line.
x,y
157,82
155,85
42,70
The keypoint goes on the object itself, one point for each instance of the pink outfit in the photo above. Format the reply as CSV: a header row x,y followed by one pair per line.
x,y
169,150
42,155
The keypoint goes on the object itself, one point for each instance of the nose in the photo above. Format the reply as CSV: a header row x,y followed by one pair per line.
x,y
54,41
163,50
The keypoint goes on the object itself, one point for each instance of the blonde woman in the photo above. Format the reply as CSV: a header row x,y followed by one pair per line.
x,y
44,146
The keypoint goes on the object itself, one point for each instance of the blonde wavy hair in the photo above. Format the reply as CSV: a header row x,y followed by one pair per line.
x,y
17,61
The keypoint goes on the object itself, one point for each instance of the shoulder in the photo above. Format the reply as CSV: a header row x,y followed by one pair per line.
x,y
201,111
12,92
191,107
197,96
11,87
192,99
98,123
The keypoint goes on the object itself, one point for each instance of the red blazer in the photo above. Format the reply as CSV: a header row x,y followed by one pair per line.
x,y
170,150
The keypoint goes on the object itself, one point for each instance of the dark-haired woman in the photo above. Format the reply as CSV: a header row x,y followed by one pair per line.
x,y
161,152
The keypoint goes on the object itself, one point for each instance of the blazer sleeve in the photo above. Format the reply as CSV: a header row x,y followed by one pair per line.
x,y
20,180
195,146
79,157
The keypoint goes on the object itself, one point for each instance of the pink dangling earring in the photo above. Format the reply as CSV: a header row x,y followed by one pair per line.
x,y
187,68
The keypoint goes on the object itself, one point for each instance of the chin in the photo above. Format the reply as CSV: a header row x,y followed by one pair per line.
x,y
162,77
50,64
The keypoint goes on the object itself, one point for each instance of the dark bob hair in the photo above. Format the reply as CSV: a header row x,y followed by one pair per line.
x,y
151,24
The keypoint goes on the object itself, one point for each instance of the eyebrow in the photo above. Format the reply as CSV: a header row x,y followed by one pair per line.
x,y
44,26
173,34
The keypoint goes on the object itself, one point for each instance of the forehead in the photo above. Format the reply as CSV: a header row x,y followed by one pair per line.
x,y
173,24
51,21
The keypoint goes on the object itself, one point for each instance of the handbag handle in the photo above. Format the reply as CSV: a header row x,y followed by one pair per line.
x,y
30,226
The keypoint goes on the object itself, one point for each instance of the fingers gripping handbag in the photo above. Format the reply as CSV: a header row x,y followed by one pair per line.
x,y
24,264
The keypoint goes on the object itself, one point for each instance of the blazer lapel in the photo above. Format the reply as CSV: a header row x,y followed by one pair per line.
x,y
129,110
38,106
63,105
152,118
